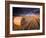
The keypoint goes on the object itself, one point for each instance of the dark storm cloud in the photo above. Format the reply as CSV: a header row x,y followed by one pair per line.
x,y
17,11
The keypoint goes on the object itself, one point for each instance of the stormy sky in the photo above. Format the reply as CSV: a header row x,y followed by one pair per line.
x,y
18,11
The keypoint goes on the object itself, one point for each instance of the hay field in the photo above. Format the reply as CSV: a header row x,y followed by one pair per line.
x,y
27,23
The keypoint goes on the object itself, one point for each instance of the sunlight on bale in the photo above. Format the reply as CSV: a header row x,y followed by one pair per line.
x,y
17,20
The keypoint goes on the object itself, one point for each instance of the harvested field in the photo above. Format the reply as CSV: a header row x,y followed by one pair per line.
x,y
26,22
